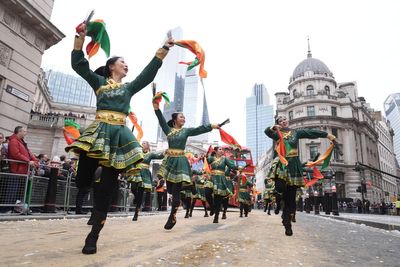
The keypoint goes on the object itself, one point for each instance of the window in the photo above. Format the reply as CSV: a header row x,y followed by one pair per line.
x,y
290,115
313,152
310,90
310,111
335,132
333,111
294,93
327,90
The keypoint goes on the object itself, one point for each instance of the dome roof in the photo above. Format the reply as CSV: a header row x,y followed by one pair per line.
x,y
311,64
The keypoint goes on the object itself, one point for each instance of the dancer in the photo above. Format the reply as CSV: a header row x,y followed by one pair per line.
x,y
107,141
175,167
208,192
142,179
289,178
160,194
244,194
268,195
219,164
199,181
188,192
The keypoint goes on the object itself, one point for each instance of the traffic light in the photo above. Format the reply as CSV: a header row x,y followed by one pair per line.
x,y
364,187
358,189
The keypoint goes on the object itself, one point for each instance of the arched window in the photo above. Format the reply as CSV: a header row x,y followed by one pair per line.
x,y
310,90
294,93
327,90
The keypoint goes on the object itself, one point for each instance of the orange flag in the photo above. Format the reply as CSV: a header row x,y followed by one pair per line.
x,y
196,49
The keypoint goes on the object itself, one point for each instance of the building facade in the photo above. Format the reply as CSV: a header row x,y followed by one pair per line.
x,y
392,113
26,32
259,115
387,158
70,89
315,100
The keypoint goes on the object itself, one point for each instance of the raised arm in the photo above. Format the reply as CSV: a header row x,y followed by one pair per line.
x,y
81,66
199,130
271,133
157,155
230,164
162,122
310,133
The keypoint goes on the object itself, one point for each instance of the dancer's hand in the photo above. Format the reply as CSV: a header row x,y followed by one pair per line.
x,y
331,137
169,42
214,126
276,127
80,38
156,106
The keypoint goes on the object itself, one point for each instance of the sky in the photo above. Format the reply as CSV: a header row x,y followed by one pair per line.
x,y
245,42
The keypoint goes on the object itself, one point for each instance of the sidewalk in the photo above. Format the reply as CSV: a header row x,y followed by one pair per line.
x,y
386,222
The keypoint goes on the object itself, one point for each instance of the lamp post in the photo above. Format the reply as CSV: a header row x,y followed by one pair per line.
x,y
316,203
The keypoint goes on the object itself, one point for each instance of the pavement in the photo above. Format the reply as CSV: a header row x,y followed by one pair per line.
x,y
258,240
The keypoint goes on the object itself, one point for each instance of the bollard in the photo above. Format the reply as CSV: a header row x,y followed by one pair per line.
x,y
50,200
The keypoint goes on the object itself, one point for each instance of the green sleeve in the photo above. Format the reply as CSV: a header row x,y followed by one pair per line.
x,y
231,164
210,159
145,77
310,133
162,122
157,155
81,66
271,133
199,130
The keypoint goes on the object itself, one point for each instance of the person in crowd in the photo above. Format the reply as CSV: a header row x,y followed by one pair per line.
x,y
288,178
142,180
175,167
107,142
244,197
200,193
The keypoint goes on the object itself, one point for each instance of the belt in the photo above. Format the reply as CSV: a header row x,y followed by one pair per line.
x,y
111,117
217,172
292,153
243,190
143,165
172,152
228,178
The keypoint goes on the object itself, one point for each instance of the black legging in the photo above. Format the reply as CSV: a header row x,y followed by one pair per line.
x,y
289,200
137,191
217,204
103,188
209,197
174,189
225,202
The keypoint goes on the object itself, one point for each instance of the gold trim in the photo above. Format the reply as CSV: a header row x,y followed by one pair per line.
x,y
161,53
243,190
292,153
172,152
217,172
111,85
143,165
111,117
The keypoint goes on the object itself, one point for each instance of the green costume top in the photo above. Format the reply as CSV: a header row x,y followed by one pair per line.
x,y
244,194
143,176
218,165
107,138
175,167
293,172
199,181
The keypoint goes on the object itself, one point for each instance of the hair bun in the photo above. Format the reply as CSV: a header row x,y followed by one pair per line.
x,y
101,71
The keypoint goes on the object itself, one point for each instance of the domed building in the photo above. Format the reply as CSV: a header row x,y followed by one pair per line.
x,y
315,100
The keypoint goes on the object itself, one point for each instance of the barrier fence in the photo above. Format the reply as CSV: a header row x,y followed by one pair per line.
x,y
54,190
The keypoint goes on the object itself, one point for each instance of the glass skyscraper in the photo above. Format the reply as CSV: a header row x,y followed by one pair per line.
x,y
70,89
392,112
259,115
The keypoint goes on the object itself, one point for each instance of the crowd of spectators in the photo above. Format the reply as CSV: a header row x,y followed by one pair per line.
x,y
58,114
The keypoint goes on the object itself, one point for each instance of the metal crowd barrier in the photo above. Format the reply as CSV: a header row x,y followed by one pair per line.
x,y
55,191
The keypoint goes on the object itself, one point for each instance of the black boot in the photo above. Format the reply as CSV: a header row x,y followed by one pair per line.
x,y
136,215
79,201
212,212
288,230
91,221
223,215
216,217
241,213
269,210
206,214
171,220
187,213
99,218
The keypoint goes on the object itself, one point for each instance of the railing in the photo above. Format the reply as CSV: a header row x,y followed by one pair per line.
x,y
54,121
55,191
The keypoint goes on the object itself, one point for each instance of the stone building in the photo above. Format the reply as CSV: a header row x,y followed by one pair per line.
x,y
315,100
26,32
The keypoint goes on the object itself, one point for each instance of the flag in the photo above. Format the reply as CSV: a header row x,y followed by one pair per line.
x,y
196,49
97,31
71,129
161,95
132,117
228,139
324,159
281,148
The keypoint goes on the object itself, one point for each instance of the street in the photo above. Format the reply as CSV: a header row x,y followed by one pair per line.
x,y
258,240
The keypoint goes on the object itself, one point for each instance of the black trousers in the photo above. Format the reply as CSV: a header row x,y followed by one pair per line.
x,y
225,202
289,200
103,187
138,193
217,204
174,189
209,197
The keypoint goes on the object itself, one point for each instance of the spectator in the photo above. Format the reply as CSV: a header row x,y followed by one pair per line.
x,y
43,165
18,150
4,166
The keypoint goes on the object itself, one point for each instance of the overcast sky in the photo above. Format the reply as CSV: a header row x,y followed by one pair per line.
x,y
246,42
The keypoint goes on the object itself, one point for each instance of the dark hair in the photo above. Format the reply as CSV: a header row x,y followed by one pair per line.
x,y
105,70
278,118
17,129
62,158
214,152
40,156
174,116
